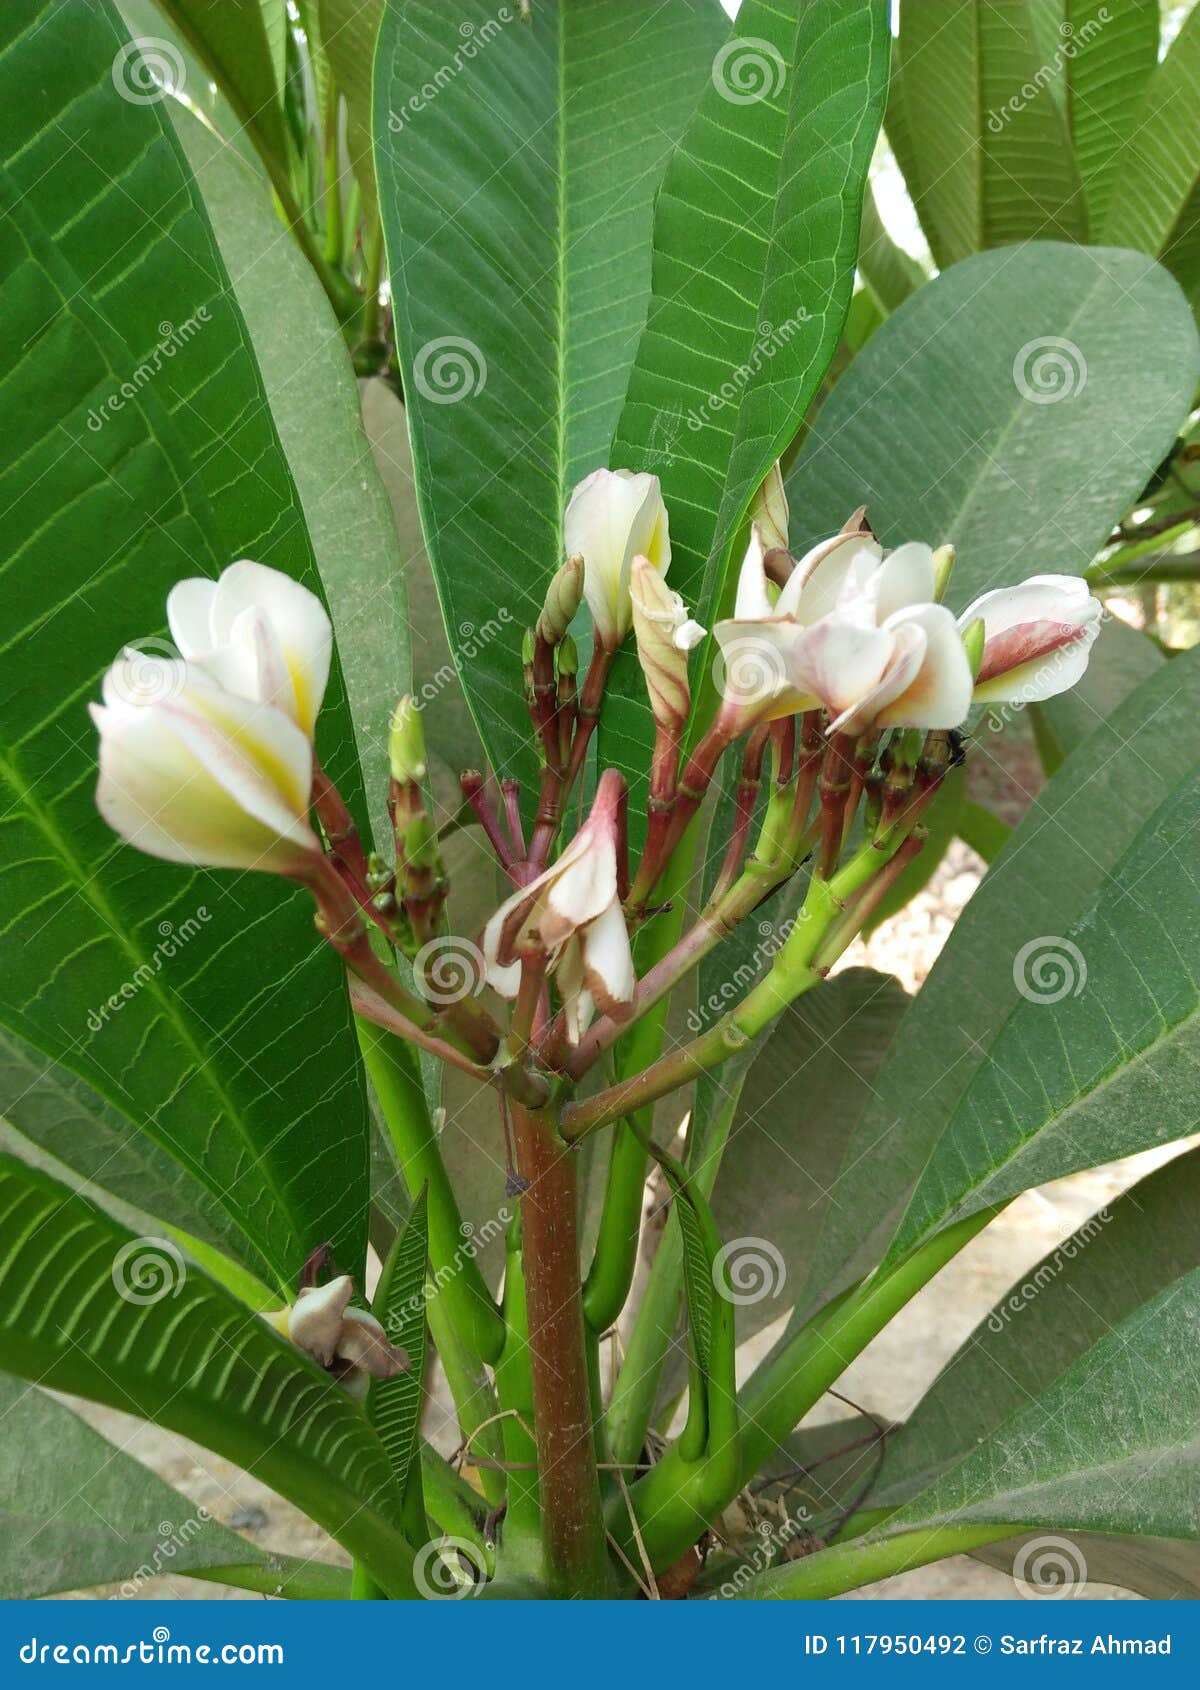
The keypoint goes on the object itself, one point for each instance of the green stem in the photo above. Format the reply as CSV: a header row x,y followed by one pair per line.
x,y
1164,568
363,1587
475,1401
521,1541
848,1566
373,279
461,1288
282,1575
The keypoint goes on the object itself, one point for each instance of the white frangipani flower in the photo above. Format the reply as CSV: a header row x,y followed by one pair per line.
x,y
571,912
1037,638
260,634
614,516
348,1343
198,775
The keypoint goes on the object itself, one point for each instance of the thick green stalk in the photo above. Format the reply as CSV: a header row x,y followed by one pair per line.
x,y
848,1566
282,1575
460,1285
676,1500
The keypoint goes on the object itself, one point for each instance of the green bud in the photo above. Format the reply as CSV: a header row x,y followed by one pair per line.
x,y
378,873
973,637
528,646
943,563
420,843
562,601
906,747
568,656
406,743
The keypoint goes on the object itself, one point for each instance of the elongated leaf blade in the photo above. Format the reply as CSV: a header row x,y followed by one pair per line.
x,y
85,1307
395,1404
755,238
517,208
240,50
1040,883
967,415
1108,56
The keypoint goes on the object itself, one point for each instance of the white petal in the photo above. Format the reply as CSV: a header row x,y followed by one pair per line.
x,y
760,673
689,634
579,892
1044,677
189,615
753,601
813,587
315,1323
903,667
906,577
611,516
299,622
940,695
608,960
504,978
1042,598
364,1345
578,1007
842,661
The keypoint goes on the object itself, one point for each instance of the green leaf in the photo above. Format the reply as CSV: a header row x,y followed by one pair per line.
x,y
889,272
1109,55
232,38
1153,205
516,204
1071,839
159,999
985,833
988,167
75,1511
944,428
349,30
88,1308
1110,1446
755,238
394,1407
1120,660
313,395
1118,1260
1099,1058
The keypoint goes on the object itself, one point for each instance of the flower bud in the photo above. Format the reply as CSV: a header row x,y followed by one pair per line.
x,y
1037,638
406,743
943,563
348,1343
563,597
568,656
665,634
973,636
769,511
614,516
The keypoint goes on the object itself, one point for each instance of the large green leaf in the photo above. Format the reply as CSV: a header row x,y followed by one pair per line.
x,y
1153,205
985,166
227,1036
1041,882
968,415
1120,660
313,395
1099,1058
349,29
88,1308
755,237
1111,1446
75,1511
235,42
1107,54
516,204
